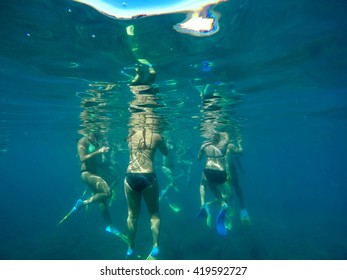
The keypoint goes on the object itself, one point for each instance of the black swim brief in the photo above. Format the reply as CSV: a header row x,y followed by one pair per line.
x,y
139,181
215,176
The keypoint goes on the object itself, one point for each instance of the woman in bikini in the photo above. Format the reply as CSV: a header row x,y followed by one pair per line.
x,y
140,180
214,173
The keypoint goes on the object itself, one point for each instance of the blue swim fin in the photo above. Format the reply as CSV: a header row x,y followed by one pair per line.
x,y
153,255
117,233
78,205
221,229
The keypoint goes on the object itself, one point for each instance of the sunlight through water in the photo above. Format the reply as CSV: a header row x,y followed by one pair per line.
x,y
201,19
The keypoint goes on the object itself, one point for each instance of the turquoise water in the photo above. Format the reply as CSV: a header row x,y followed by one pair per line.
x,y
280,68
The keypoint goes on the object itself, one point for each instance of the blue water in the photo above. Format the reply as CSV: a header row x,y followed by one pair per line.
x,y
287,69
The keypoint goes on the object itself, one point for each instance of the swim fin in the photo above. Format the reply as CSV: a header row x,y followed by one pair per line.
x,y
228,222
130,255
244,217
175,208
221,229
78,205
153,255
117,233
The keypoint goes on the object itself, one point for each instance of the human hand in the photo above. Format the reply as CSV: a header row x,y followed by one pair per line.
x,y
239,145
104,149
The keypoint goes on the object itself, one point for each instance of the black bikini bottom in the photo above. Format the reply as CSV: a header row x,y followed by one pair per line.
x,y
215,176
140,181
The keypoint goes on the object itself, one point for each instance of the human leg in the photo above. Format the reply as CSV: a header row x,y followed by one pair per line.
x,y
244,217
99,187
134,205
203,184
151,197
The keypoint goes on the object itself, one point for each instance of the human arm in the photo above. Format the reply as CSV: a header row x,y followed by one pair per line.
x,y
162,146
82,147
201,151
169,159
224,138
168,172
239,146
236,149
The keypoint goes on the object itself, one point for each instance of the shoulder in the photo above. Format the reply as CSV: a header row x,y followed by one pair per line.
x,y
83,141
157,137
204,146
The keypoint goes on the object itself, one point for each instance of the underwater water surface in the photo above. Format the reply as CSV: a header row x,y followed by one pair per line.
x,y
273,74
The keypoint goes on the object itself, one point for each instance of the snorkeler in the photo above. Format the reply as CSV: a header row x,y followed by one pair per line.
x,y
215,176
220,174
143,141
168,169
234,163
89,153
